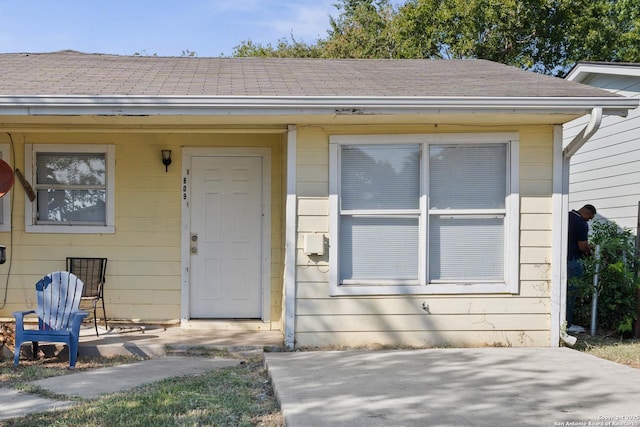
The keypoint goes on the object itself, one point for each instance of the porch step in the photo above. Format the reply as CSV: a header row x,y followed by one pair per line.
x,y
231,324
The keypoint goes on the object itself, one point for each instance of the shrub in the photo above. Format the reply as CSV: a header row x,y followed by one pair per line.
x,y
617,284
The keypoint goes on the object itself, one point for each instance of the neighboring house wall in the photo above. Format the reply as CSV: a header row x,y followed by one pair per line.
x,y
144,254
606,170
519,319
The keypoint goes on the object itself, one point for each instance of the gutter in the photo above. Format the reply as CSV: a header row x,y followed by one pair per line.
x,y
123,105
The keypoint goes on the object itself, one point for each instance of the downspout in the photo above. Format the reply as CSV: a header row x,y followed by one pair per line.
x,y
561,205
584,135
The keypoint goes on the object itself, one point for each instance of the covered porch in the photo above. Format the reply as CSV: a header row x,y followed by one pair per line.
x,y
159,340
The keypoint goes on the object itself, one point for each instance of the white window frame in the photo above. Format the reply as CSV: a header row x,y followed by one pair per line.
x,y
30,171
511,222
5,202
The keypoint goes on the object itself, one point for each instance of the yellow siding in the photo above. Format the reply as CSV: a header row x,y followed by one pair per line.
x,y
522,319
417,322
143,275
433,306
144,254
427,338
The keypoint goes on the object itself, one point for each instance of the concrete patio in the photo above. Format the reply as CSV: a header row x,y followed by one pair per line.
x,y
156,340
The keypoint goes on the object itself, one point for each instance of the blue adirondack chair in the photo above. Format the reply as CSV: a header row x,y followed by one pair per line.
x,y
59,317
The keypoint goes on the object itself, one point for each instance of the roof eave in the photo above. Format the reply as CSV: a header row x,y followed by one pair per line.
x,y
583,70
123,105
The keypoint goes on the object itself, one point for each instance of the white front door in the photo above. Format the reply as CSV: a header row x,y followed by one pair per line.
x,y
226,237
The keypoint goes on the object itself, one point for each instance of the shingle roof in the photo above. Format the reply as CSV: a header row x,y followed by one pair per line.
x,y
74,73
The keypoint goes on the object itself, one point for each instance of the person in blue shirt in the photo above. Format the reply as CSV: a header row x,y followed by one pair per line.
x,y
578,240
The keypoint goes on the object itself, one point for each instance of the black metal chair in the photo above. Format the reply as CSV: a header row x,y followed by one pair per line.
x,y
92,273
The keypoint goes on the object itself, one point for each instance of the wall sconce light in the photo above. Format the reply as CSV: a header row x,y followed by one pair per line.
x,y
166,159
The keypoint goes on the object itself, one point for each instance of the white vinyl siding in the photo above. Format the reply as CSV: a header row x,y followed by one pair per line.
x,y
605,172
423,214
74,188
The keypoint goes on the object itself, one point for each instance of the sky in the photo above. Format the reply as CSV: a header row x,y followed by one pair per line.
x,y
158,27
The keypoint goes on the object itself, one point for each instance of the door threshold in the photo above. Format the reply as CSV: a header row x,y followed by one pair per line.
x,y
228,324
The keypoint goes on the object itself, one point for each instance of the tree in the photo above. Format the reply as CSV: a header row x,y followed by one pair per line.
x,y
361,31
546,36
364,29
283,49
606,30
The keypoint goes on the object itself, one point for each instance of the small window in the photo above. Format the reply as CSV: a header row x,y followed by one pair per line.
x,y
73,187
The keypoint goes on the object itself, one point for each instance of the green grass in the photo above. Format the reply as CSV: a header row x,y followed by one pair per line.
x,y
617,350
238,396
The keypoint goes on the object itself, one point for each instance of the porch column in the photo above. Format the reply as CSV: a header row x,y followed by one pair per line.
x,y
560,203
290,238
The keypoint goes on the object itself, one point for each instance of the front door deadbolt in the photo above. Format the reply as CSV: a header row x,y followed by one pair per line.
x,y
194,243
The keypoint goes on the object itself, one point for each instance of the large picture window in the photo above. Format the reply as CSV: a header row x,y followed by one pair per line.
x,y
73,187
424,213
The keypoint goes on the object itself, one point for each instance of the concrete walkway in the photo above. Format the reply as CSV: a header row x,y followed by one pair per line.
x,y
454,387
14,404
93,383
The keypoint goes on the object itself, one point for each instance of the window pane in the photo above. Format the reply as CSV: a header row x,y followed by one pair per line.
x,y
467,176
72,205
379,248
465,248
70,169
380,177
